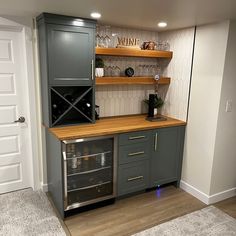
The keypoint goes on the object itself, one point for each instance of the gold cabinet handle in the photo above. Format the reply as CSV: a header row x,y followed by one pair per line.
x,y
136,137
135,178
155,148
135,153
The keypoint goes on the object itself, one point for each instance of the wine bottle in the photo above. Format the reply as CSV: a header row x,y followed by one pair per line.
x,y
69,97
86,158
56,110
74,162
86,107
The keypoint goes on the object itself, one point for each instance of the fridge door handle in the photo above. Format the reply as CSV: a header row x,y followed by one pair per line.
x,y
65,180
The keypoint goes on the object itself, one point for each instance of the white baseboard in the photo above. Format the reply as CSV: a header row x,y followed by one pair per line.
x,y
222,195
195,192
44,187
207,199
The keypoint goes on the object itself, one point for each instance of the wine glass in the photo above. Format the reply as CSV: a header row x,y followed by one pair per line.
x,y
152,70
98,37
109,71
166,46
141,70
116,71
146,70
157,70
107,36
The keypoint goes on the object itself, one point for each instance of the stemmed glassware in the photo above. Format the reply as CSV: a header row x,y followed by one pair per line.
x,y
147,70
103,36
107,37
108,71
116,71
163,46
113,71
98,37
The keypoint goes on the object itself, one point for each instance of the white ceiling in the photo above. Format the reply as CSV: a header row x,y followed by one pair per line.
x,y
132,13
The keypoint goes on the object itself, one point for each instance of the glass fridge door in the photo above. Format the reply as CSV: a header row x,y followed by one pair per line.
x,y
89,171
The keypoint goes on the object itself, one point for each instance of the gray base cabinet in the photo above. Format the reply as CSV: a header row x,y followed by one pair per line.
x,y
166,155
85,171
149,158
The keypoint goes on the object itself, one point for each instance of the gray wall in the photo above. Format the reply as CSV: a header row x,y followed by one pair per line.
x,y
224,163
208,67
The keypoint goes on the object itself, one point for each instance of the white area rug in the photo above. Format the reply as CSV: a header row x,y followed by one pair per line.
x,y
208,221
28,213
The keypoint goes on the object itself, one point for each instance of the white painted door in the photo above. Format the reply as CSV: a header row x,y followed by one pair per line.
x,y
14,154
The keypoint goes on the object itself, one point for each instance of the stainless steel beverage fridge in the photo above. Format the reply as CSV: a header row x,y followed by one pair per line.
x,y
89,170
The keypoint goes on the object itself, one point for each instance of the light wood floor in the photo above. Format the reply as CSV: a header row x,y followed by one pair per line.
x,y
228,206
134,214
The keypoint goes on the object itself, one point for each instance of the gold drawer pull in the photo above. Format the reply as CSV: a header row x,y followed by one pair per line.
x,y
136,137
135,178
135,153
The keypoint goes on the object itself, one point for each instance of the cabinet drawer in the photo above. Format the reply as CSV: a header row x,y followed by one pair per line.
x,y
132,177
134,152
134,137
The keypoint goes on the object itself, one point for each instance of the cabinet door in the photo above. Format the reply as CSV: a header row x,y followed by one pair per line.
x,y
70,55
166,156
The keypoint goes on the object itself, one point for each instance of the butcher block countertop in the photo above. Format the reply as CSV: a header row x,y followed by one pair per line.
x,y
112,125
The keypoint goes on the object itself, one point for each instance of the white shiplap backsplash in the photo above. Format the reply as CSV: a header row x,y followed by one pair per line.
x,y
115,100
179,69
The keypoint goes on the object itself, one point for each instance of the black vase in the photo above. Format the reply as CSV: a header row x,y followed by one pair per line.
x,y
151,104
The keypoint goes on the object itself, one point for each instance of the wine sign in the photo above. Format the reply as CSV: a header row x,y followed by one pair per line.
x,y
128,43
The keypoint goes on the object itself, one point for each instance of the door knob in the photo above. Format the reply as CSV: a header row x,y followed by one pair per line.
x,y
20,120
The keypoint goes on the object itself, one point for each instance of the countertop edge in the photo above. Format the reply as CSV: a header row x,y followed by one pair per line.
x,y
116,130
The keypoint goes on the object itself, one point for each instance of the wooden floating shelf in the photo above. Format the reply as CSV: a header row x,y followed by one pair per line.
x,y
127,52
130,80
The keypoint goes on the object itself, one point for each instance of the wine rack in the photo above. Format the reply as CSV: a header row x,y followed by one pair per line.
x,y
71,105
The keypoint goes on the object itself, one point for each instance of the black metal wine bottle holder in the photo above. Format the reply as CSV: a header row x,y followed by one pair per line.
x,y
71,105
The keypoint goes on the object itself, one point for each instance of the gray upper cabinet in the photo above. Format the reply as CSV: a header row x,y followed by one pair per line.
x,y
67,50
70,55
66,54
166,157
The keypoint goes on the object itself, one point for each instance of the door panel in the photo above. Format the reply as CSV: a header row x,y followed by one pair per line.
x,y
6,50
7,114
7,83
9,145
14,159
12,173
71,51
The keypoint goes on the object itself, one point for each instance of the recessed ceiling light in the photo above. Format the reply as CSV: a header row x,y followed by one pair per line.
x,y
162,24
95,15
